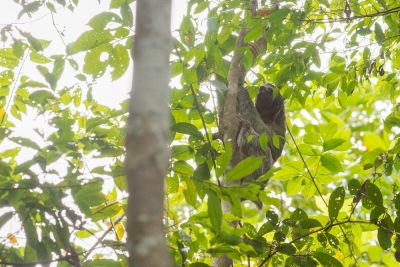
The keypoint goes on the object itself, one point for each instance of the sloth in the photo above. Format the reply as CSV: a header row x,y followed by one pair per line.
x,y
266,116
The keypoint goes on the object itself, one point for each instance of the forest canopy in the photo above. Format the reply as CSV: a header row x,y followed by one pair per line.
x,y
332,198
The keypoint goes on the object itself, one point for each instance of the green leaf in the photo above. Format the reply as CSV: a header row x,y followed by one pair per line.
x,y
374,141
89,40
77,96
29,8
384,238
120,183
81,77
4,218
326,259
289,171
331,163
342,98
201,7
127,14
354,186
8,59
183,167
58,69
379,34
338,69
287,249
312,138
30,252
187,128
214,210
25,142
202,172
329,131
42,252
73,64
223,160
294,186
332,144
310,49
35,43
266,228
336,201
211,24
97,60
109,210
299,215
119,61
236,208
189,192
41,97
309,189
279,15
275,141
100,21
272,217
263,141
38,58
181,152
317,59
308,150
253,34
116,3
374,194
51,7
310,223
244,168
61,2
397,202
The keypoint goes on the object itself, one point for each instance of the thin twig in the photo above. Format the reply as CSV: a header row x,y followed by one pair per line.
x,y
101,238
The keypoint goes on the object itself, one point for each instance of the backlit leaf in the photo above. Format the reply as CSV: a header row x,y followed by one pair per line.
x,y
244,168
336,201
214,210
89,40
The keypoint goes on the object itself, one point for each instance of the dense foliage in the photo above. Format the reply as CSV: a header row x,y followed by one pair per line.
x,y
331,200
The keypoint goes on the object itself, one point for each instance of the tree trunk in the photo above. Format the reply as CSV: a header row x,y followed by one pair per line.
x,y
147,136
229,122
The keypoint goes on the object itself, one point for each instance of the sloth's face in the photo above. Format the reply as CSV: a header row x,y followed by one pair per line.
x,y
267,106
267,88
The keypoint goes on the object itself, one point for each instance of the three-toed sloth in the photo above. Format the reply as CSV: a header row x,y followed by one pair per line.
x,y
266,116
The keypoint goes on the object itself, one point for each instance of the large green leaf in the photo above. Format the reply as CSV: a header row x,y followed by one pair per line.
x,y
374,194
119,61
326,259
336,201
331,163
100,21
287,249
244,168
312,138
8,59
89,40
187,128
214,210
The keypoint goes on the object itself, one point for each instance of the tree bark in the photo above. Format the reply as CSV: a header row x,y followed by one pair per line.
x,y
229,122
147,136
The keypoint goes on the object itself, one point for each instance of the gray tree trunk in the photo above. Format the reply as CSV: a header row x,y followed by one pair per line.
x,y
147,136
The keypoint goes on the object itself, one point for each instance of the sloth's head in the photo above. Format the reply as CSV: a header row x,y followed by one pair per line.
x,y
270,109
